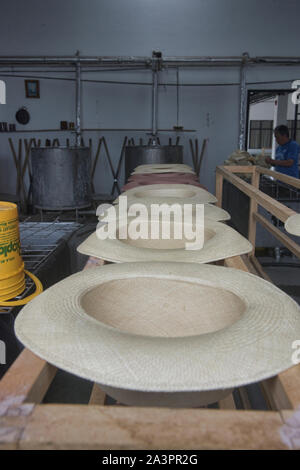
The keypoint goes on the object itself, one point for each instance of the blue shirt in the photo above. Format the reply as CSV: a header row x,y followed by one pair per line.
x,y
288,151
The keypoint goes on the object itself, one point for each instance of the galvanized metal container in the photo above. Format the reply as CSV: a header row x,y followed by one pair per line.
x,y
145,154
61,177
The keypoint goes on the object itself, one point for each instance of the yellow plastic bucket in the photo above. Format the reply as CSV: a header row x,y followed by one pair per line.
x,y
12,273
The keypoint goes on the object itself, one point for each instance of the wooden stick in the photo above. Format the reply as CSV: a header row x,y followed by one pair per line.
x,y
27,380
219,189
252,212
204,143
227,403
95,163
259,268
110,164
193,154
97,396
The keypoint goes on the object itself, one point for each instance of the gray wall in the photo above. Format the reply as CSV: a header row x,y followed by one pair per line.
x,y
136,27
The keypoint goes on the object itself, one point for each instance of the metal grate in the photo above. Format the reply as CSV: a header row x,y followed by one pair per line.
x,y
39,240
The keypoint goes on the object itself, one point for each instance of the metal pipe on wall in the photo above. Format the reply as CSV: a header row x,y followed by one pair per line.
x,y
243,104
78,104
154,101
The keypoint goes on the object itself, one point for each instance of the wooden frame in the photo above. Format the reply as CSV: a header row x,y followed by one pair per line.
x,y
25,423
32,88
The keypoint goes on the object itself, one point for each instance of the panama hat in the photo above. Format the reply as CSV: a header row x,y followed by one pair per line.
x,y
210,212
220,242
292,224
169,193
163,334
163,168
162,178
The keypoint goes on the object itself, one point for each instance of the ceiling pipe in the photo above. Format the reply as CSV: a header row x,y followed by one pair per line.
x,y
147,61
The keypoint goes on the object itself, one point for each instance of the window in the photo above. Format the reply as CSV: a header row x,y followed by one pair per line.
x,y
261,134
290,125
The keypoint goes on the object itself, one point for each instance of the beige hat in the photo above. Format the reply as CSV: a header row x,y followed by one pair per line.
x,y
220,242
210,212
168,193
163,334
163,168
292,224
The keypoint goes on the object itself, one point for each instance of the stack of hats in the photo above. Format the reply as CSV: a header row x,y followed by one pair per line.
x,y
161,326
162,174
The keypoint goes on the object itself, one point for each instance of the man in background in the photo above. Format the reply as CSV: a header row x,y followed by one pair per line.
x,y
287,152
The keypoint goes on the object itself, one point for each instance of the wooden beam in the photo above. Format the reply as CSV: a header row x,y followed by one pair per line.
x,y
219,189
227,403
27,380
97,396
252,212
112,427
236,262
241,169
276,208
282,237
282,391
295,182
254,261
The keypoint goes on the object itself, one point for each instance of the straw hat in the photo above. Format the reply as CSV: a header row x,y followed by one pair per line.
x,y
292,224
168,193
163,334
163,168
210,212
220,242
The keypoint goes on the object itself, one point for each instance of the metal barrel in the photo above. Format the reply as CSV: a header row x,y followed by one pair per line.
x,y
61,177
144,154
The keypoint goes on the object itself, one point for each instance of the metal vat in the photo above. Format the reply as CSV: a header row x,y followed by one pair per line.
x,y
61,177
145,154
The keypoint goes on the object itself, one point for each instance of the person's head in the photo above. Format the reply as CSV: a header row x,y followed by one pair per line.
x,y
282,134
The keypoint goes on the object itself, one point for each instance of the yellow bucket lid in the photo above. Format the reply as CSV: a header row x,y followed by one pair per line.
x,y
8,210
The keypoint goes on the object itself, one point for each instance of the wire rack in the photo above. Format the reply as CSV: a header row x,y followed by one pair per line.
x,y
39,240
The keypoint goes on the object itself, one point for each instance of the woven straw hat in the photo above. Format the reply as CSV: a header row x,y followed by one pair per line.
x,y
220,242
163,168
210,212
292,224
168,193
163,334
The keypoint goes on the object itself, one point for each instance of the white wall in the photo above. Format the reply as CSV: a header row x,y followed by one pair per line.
x,y
136,27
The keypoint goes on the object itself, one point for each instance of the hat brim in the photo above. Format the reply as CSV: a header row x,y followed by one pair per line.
x,y
258,345
168,193
224,243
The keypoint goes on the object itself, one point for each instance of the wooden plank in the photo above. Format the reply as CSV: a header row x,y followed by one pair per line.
x,y
97,396
111,427
276,208
282,391
244,398
219,189
295,182
227,403
282,237
27,380
236,262
241,169
254,261
252,212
